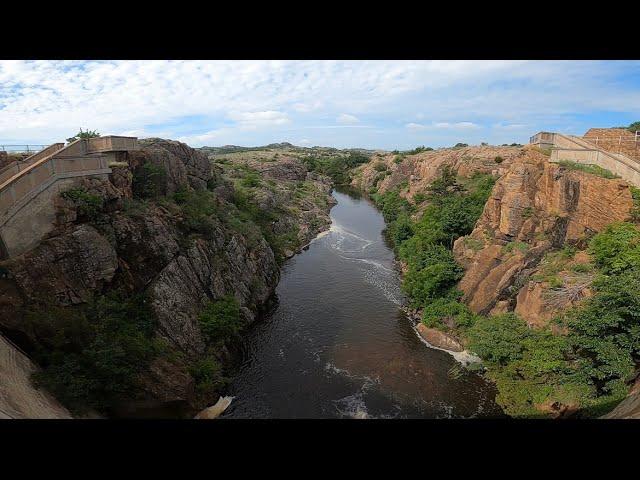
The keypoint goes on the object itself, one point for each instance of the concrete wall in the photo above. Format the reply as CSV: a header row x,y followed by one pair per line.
x,y
19,398
625,168
28,191
36,219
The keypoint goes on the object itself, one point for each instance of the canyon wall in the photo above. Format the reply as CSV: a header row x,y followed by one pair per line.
x,y
140,246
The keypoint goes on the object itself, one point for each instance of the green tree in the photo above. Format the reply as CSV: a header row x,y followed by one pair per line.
x,y
83,134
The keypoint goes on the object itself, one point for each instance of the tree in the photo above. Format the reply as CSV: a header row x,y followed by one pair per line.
x,y
634,127
85,134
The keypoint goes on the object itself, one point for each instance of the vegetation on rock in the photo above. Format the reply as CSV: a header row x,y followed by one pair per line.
x,y
91,356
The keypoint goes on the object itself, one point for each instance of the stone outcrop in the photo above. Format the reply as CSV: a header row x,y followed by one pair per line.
x,y
183,165
420,169
629,407
534,207
439,339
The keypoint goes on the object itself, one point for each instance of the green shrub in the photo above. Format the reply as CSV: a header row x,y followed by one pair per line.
x,y
149,181
380,167
81,134
498,159
616,248
198,207
88,206
251,179
431,274
91,359
635,210
474,244
419,198
207,374
446,311
513,246
634,127
499,339
527,212
221,320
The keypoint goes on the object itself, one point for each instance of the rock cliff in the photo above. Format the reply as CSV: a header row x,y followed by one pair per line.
x,y
535,207
134,238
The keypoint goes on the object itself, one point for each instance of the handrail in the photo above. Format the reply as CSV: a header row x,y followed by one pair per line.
x,y
20,150
35,165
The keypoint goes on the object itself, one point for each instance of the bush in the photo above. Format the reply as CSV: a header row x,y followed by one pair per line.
x,y
418,198
448,312
81,134
251,179
499,339
220,320
460,145
198,208
87,205
380,167
634,127
498,159
605,333
149,181
635,211
207,374
392,204
616,248
91,358
431,274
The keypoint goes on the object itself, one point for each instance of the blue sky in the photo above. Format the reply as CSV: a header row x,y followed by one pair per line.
x,y
371,104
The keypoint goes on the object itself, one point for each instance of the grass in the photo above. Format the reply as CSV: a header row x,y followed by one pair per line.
x,y
588,168
512,246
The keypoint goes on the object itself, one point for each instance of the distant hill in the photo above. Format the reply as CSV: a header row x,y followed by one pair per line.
x,y
286,147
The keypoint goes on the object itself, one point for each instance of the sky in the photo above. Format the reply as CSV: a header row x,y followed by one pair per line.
x,y
370,104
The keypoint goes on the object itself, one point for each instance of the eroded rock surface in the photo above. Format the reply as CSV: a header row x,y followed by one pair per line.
x,y
536,206
141,247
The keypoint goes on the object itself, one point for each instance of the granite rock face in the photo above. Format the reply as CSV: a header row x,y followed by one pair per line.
x,y
419,170
535,207
145,250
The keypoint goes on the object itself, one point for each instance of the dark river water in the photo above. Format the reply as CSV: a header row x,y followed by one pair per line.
x,y
337,344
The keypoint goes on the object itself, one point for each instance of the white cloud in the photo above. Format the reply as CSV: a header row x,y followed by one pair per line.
x,y
510,126
456,126
442,125
259,119
347,119
415,127
243,101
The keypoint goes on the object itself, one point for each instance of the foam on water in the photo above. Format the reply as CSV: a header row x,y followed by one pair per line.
x,y
341,235
353,406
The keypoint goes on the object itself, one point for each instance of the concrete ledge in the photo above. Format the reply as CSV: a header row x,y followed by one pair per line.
x,y
44,186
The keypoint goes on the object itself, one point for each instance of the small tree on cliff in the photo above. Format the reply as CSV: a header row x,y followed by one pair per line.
x,y
81,134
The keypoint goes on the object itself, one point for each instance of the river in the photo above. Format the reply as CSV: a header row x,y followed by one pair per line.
x,y
337,344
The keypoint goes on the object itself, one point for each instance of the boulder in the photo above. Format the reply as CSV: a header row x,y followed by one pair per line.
x,y
439,339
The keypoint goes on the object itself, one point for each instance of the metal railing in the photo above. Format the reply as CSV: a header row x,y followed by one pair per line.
x,y
22,148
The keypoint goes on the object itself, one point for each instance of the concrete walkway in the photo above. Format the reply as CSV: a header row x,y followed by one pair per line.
x,y
18,396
